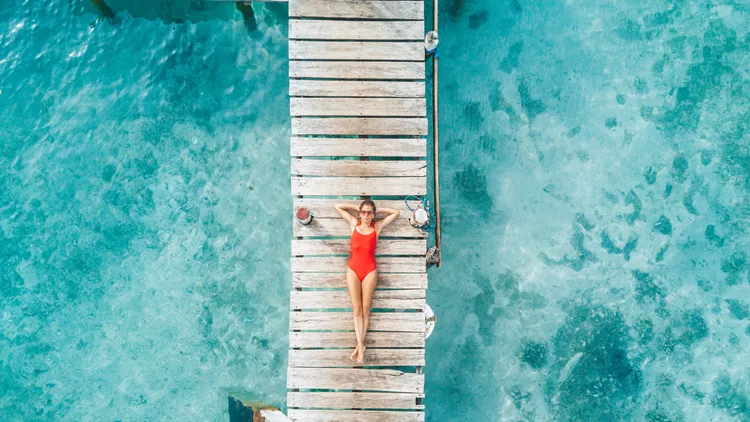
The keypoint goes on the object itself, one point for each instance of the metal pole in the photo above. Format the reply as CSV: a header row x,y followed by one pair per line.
x,y
435,152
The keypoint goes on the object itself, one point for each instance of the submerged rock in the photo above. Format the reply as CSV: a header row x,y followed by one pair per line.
x,y
712,237
663,226
688,328
592,378
478,19
472,185
534,353
730,398
646,288
582,255
738,308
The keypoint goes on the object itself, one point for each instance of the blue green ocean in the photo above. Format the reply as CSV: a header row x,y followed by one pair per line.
x,y
595,195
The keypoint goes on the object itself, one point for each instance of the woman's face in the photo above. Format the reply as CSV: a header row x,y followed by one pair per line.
x,y
366,213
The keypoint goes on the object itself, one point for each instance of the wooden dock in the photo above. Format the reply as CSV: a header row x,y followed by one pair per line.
x,y
359,127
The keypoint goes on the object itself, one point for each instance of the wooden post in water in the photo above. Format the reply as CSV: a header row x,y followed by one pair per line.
x,y
103,8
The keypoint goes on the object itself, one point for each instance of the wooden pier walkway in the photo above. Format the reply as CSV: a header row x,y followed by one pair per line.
x,y
358,111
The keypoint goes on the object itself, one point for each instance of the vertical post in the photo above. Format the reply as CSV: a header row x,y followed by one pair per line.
x,y
435,151
103,8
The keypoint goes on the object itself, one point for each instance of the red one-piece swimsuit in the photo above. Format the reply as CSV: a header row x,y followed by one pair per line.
x,y
362,258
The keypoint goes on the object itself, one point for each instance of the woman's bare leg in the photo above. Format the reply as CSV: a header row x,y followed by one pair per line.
x,y
368,287
355,294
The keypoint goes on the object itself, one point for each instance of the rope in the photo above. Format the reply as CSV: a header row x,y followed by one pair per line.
x,y
430,226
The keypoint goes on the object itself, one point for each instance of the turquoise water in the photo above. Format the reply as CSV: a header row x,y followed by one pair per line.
x,y
595,172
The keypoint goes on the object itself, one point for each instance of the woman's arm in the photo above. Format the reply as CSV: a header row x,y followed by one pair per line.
x,y
391,216
344,213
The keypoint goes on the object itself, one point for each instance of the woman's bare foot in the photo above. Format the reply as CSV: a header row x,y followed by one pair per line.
x,y
361,356
354,353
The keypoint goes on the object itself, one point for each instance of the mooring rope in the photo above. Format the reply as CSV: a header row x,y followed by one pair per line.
x,y
430,226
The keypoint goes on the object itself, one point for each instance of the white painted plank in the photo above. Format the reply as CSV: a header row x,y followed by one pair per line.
x,y
304,415
379,107
355,379
342,321
320,29
319,88
374,186
324,208
396,264
359,126
357,147
344,339
342,247
339,227
338,280
384,10
342,358
357,70
339,299
348,400
356,168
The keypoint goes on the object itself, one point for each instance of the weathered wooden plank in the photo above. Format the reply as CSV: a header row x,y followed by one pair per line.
x,y
359,126
383,107
396,264
320,29
342,321
356,168
319,88
342,247
357,70
339,227
385,10
375,186
348,400
324,208
304,415
356,50
345,339
342,358
355,379
339,299
338,279
357,147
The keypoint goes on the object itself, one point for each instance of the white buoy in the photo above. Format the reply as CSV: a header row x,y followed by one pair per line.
x,y
431,41
419,218
429,321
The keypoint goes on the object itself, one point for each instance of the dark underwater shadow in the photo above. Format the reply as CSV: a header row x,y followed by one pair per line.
x,y
193,11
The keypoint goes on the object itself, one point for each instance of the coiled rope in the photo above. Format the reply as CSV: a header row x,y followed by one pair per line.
x,y
430,226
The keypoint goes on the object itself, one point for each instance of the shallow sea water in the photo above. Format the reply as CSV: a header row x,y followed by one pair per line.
x,y
595,179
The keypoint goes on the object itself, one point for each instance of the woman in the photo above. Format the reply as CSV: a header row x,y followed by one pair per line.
x,y
361,272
